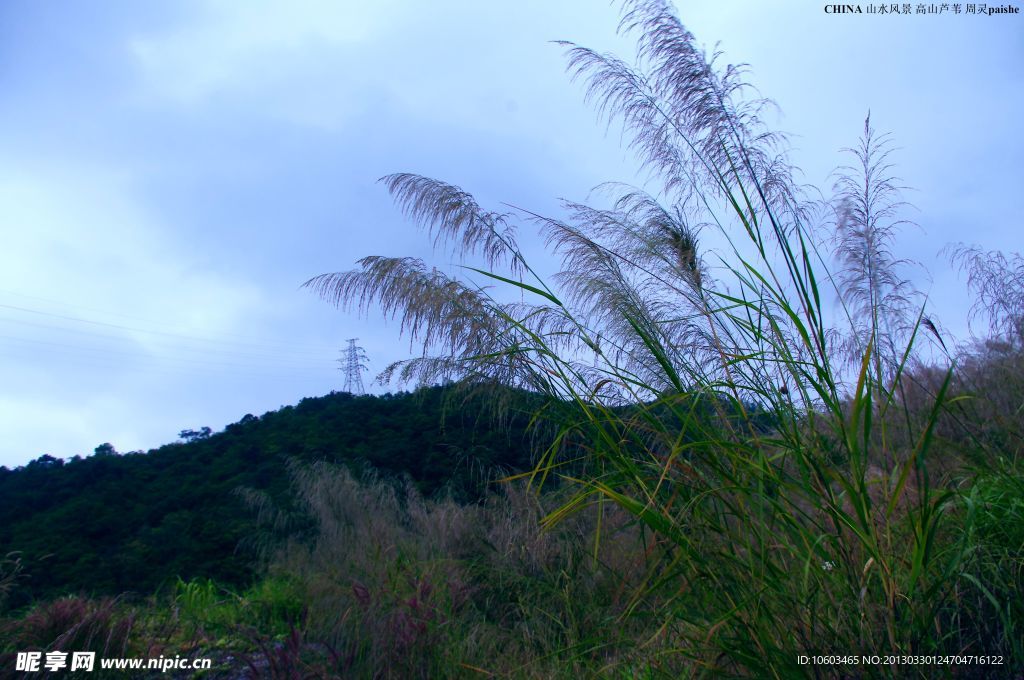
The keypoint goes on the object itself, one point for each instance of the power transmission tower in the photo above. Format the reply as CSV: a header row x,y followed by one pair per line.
x,y
353,363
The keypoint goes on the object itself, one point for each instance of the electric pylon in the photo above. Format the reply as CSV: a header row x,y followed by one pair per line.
x,y
353,363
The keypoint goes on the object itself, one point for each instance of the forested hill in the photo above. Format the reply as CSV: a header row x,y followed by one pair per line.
x,y
111,523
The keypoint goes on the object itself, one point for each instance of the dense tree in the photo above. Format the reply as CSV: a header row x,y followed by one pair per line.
x,y
105,449
193,435
108,523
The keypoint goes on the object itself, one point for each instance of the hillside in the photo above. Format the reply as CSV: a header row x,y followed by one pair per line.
x,y
112,523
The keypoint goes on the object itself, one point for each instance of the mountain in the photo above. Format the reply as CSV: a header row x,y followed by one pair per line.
x,y
113,523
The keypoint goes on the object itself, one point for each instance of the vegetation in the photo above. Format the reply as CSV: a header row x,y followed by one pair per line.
x,y
847,525
382,583
725,481
108,524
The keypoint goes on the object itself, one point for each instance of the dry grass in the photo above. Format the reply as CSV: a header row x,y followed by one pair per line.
x,y
402,586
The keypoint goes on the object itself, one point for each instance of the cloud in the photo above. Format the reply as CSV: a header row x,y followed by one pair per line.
x,y
78,248
75,234
193,163
236,48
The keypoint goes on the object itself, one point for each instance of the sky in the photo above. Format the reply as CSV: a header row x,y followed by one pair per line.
x,y
171,173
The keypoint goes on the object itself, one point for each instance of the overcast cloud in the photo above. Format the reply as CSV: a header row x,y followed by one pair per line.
x,y
170,173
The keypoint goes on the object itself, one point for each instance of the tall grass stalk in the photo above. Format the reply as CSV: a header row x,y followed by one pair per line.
x,y
399,586
699,391
880,302
10,571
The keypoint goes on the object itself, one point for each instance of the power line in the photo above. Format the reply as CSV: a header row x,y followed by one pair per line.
x,y
178,336
128,355
258,353
138,318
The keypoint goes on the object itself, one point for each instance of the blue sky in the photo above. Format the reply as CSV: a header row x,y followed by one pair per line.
x,y
170,173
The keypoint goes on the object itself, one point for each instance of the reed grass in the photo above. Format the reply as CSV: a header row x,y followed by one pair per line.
x,y
793,505
10,572
399,586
